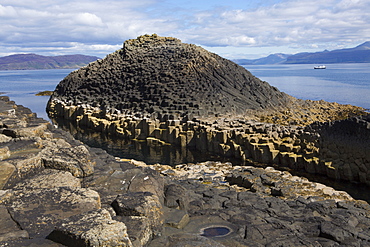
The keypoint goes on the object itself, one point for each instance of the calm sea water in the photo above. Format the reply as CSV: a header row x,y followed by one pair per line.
x,y
22,85
342,83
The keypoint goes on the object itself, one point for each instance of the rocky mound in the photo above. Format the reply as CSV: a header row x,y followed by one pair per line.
x,y
153,74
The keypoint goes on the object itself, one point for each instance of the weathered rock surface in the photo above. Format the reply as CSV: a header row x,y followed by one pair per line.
x,y
94,228
9,229
142,204
48,179
121,203
38,210
258,216
78,164
34,199
186,240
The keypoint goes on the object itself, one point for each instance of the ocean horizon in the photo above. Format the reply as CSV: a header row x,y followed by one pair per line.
x,y
347,83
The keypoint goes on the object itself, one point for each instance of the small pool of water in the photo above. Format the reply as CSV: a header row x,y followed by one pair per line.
x,y
215,231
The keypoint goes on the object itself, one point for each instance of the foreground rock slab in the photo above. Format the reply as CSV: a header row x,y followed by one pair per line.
x,y
38,210
100,200
262,207
94,228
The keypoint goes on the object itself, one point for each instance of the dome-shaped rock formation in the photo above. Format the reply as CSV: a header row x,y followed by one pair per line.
x,y
153,74
162,91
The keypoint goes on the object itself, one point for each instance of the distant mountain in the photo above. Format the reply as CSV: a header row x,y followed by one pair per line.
x,y
271,59
34,61
358,54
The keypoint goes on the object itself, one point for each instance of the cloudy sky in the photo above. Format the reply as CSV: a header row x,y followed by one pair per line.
x,y
231,28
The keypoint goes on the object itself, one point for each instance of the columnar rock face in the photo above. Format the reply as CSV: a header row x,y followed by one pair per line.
x,y
338,149
163,91
161,75
345,148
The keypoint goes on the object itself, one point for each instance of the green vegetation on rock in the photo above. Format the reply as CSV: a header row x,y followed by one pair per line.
x,y
45,93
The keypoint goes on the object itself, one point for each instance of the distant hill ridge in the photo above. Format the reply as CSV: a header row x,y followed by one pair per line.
x,y
33,61
358,54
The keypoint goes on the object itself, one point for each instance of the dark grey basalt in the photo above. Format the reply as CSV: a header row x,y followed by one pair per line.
x,y
161,75
347,143
121,204
94,228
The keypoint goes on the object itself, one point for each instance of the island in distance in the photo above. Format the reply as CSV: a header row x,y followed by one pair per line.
x,y
358,54
34,61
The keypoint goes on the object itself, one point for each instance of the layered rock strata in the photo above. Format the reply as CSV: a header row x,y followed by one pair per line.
x,y
113,202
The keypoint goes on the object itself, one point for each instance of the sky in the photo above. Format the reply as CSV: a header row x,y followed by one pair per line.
x,y
231,28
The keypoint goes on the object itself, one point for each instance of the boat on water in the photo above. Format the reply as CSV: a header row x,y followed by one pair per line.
x,y
320,67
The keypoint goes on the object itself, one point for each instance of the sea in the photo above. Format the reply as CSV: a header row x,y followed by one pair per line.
x,y
342,83
22,86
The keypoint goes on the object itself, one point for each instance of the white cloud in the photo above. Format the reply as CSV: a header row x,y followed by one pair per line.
x,y
7,12
290,22
348,4
88,19
54,24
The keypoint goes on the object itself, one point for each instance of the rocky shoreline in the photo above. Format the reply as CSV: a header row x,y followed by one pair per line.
x,y
165,92
55,191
